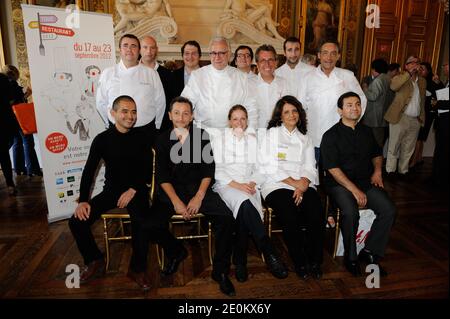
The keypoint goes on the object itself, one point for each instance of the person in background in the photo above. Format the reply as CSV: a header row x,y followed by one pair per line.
x,y
191,54
379,97
426,72
24,154
242,60
440,174
309,59
405,115
149,53
8,128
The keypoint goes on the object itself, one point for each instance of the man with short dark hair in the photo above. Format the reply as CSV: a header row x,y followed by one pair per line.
x,y
126,153
353,161
191,54
379,97
136,80
269,86
184,171
294,70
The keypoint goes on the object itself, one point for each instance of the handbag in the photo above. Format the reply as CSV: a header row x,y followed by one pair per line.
x,y
25,116
366,218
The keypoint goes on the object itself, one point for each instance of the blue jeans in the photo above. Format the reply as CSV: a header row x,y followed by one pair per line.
x,y
24,155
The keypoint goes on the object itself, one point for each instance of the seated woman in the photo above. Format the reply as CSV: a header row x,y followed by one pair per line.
x,y
289,166
235,156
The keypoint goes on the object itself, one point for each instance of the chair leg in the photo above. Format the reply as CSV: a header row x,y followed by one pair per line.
x,y
269,210
160,256
105,235
336,234
210,243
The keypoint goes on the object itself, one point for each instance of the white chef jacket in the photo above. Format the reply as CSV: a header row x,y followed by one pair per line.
x,y
141,83
319,95
285,154
213,92
235,160
267,95
294,76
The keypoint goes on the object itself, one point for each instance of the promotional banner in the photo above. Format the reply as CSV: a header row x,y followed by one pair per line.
x,y
67,51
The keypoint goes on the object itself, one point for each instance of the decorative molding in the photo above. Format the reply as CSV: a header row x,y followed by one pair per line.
x,y
19,34
162,28
230,28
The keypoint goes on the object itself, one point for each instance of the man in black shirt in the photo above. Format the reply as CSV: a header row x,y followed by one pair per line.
x,y
126,153
184,171
353,159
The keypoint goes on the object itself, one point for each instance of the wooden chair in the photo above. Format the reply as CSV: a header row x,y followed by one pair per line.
x,y
178,220
120,218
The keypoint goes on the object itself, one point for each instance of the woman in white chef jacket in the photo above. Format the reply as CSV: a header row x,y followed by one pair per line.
x,y
288,163
235,153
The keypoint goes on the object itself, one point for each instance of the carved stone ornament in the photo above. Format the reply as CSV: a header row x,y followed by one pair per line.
x,y
144,17
243,21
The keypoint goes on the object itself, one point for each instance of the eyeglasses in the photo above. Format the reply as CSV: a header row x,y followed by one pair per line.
x,y
220,54
243,55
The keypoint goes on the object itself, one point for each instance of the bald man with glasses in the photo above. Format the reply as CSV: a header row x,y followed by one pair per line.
x,y
214,88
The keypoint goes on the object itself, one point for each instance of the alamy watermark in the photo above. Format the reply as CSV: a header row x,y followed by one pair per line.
x,y
373,279
373,17
73,277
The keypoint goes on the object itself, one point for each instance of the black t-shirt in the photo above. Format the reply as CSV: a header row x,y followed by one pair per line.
x,y
127,157
183,165
351,150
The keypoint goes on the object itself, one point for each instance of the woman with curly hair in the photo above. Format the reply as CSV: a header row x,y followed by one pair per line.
x,y
288,163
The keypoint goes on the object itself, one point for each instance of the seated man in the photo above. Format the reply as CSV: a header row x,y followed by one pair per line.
x,y
184,170
353,159
127,155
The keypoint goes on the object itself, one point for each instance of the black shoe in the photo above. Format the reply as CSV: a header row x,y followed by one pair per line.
x,y
368,258
173,263
353,267
225,284
141,278
302,272
241,273
276,267
316,271
94,269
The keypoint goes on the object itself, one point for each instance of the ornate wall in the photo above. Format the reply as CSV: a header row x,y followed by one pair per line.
x,y
407,27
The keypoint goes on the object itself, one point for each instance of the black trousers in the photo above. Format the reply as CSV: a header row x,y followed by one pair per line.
x,y
248,221
5,160
306,249
221,218
441,151
384,209
144,228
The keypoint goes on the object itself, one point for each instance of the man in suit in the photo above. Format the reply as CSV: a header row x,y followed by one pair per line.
x,y
191,53
405,115
149,52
